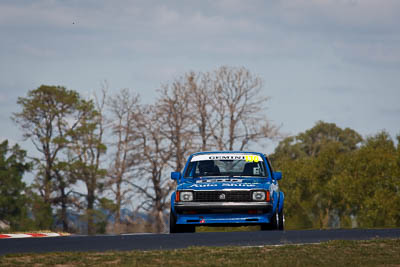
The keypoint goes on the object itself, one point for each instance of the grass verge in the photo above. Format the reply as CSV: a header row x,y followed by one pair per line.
x,y
334,253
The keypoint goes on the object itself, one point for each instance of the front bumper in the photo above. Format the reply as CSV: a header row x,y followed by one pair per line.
x,y
222,207
223,219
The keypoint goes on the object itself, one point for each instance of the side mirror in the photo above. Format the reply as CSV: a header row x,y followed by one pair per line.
x,y
277,175
175,176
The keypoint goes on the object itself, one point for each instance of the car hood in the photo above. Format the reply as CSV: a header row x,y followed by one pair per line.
x,y
224,183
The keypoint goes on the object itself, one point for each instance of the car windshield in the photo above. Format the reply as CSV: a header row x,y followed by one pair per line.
x,y
226,165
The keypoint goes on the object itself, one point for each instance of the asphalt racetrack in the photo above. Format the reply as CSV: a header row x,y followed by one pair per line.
x,y
176,241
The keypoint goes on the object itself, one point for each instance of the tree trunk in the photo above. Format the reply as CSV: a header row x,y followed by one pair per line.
x,y
64,210
90,212
117,223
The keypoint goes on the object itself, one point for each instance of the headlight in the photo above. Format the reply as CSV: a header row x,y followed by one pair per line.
x,y
258,195
186,196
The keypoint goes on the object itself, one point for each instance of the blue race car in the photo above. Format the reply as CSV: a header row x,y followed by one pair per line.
x,y
230,188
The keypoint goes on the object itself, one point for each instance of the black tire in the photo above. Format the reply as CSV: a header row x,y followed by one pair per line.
x,y
274,222
265,227
277,222
189,228
175,228
272,225
281,221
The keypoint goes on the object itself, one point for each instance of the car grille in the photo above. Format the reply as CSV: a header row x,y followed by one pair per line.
x,y
216,196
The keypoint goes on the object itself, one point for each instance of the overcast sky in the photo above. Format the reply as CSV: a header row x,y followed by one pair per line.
x,y
331,60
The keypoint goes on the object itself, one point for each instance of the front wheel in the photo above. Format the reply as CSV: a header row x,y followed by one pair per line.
x,y
176,228
281,221
277,222
173,228
272,225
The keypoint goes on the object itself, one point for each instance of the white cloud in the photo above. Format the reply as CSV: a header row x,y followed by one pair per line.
x,y
116,14
36,14
235,6
351,15
164,16
37,51
377,53
301,44
68,15
213,25
3,98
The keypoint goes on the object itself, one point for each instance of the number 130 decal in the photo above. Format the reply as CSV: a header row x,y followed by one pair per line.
x,y
252,158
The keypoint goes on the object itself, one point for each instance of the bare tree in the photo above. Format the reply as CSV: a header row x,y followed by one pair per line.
x,y
201,110
240,109
175,119
125,111
223,109
156,152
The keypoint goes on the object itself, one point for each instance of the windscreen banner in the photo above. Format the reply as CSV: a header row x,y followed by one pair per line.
x,y
227,156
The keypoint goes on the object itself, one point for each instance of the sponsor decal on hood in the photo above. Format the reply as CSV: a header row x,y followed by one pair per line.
x,y
220,185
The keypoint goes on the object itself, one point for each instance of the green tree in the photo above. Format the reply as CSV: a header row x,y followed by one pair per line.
x,y
41,211
85,151
334,179
49,117
298,196
325,198
313,140
13,201
311,165
373,183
